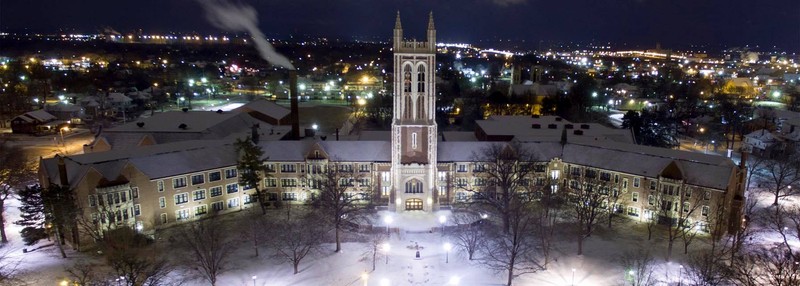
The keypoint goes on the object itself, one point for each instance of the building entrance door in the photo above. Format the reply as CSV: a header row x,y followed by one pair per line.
x,y
413,205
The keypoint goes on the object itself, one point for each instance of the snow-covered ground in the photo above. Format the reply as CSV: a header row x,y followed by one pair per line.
x,y
353,265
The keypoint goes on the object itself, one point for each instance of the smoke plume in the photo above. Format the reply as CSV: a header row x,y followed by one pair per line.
x,y
243,18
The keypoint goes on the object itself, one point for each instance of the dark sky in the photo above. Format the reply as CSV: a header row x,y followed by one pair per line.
x,y
673,23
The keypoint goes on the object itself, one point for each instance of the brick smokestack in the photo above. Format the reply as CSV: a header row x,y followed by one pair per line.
x,y
295,116
62,172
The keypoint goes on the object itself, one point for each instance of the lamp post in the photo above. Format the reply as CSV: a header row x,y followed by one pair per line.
x,y
680,275
365,277
633,279
447,247
573,276
442,220
61,131
388,220
386,248
254,280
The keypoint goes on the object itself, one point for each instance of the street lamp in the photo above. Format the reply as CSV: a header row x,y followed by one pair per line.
x,y
573,276
680,275
388,220
365,277
386,248
64,283
254,280
633,279
442,220
447,248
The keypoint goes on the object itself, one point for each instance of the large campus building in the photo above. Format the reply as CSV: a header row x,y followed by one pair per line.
x,y
416,168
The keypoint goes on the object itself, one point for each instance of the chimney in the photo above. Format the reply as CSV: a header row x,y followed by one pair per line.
x,y
254,133
295,117
62,172
337,134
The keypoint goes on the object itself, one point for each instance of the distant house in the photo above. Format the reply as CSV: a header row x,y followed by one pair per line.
x,y
761,140
67,112
32,122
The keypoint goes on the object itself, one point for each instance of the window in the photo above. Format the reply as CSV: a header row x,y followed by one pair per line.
x,y
163,218
414,186
162,202
461,182
92,201
215,191
461,196
182,214
421,79
246,199
135,192
606,176
137,210
573,184
230,173
181,198
345,168
539,168
479,168
635,197
270,182
214,176
651,200
160,186
705,210
198,179
653,185
200,210
231,188
363,182
179,182
686,207
480,181
632,211
406,79
363,168
385,189
616,179
288,168
272,197
687,192
269,168
288,183
346,182
575,171
217,206
199,195
461,168
414,140
706,195
289,196
234,202
624,184
636,182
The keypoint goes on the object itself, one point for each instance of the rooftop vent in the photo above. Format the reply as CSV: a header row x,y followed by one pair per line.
x,y
559,119
536,126
568,126
577,132
535,116
140,124
584,126
219,111
185,109
183,126
552,126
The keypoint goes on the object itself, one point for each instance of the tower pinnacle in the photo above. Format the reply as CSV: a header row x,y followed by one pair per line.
x,y
397,24
430,21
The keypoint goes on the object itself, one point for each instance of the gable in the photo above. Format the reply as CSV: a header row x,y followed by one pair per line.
x,y
672,171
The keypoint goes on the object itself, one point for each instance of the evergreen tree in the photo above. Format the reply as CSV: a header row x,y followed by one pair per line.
x,y
61,214
250,166
31,214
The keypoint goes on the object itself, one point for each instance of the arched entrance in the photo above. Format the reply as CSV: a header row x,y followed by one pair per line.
x,y
413,204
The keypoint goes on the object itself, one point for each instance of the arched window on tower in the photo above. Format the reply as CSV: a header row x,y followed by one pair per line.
x,y
421,107
421,78
407,107
407,78
413,186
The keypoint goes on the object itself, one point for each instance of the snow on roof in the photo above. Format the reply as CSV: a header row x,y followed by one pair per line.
x,y
118,97
37,115
762,135
265,107
521,127
370,135
358,151
458,136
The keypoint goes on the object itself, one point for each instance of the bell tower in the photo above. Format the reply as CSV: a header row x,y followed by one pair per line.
x,y
414,134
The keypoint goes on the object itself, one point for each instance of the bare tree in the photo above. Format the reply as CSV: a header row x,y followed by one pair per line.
x,y
764,266
707,268
639,267
589,199
505,168
782,173
295,239
15,173
9,269
652,210
548,211
131,257
677,207
207,246
786,221
376,244
513,252
469,232
343,196
86,273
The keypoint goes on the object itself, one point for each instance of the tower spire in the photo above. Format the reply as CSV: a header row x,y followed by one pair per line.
x,y
430,21
397,24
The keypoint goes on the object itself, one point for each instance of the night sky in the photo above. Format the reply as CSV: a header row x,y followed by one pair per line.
x,y
674,23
